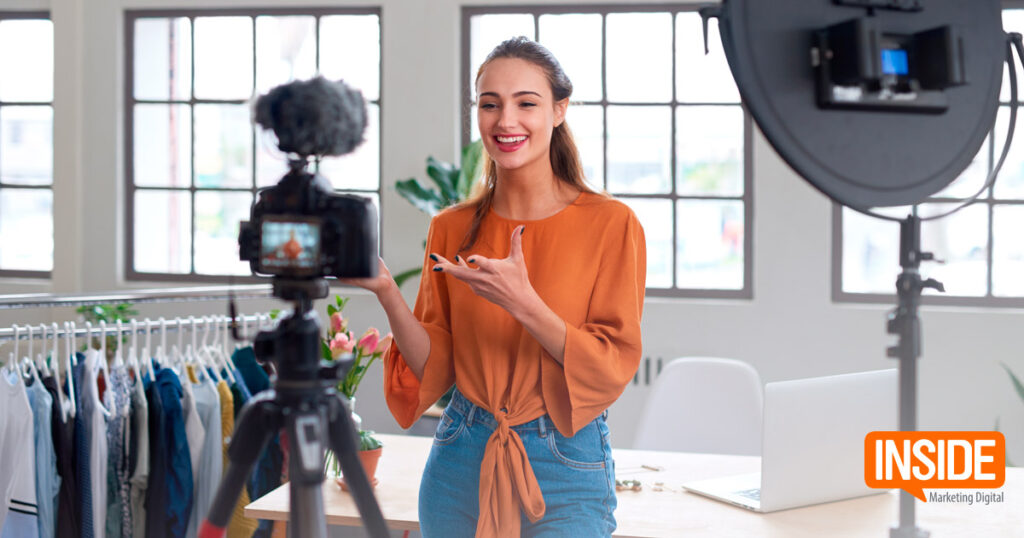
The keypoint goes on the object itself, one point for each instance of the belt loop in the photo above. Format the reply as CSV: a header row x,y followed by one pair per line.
x,y
543,429
469,416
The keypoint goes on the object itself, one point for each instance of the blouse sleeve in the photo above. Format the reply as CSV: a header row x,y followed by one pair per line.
x,y
407,396
601,355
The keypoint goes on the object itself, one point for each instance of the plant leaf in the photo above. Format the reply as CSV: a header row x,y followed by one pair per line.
x,y
325,351
1016,382
446,177
400,278
470,171
427,201
331,310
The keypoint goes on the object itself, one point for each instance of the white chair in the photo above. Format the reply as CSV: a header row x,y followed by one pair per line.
x,y
703,404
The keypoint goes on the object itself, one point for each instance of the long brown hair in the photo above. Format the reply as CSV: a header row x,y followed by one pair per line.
x,y
565,158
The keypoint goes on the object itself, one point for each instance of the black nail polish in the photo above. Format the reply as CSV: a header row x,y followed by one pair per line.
x,y
470,260
456,257
434,257
522,230
438,268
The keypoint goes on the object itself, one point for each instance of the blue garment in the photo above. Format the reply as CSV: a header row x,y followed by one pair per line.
x,y
576,475
169,496
267,475
47,480
83,439
239,391
117,399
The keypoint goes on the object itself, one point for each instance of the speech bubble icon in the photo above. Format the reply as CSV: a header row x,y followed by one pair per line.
x,y
915,461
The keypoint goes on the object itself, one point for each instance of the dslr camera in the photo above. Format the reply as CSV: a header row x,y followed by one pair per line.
x,y
300,229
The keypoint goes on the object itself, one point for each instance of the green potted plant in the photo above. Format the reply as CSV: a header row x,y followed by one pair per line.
x,y
366,350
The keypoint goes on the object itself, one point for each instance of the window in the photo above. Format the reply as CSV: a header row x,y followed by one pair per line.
x,y
980,245
26,144
194,160
667,135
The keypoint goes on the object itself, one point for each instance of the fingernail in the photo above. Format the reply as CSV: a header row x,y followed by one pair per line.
x,y
434,257
456,257
521,230
438,268
470,260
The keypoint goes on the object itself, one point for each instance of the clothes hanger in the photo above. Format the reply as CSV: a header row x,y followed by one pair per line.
x,y
148,354
118,353
55,356
41,363
133,361
28,364
69,356
103,350
211,348
224,357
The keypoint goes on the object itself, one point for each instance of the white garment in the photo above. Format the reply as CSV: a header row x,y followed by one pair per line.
x,y
194,431
18,514
97,442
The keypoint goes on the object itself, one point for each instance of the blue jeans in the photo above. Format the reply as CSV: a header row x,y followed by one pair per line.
x,y
576,475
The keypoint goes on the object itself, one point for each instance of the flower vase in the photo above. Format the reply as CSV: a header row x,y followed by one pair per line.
x,y
333,465
357,421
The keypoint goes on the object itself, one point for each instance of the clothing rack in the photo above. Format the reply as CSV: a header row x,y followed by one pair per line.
x,y
158,295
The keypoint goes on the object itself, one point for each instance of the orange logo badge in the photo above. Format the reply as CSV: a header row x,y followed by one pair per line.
x,y
913,461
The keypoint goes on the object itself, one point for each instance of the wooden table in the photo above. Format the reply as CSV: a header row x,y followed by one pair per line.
x,y
674,512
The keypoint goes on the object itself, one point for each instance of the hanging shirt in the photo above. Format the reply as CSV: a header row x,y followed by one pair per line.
x,y
117,399
92,408
267,475
170,490
19,517
211,459
47,479
239,526
138,461
67,503
83,449
588,264
194,431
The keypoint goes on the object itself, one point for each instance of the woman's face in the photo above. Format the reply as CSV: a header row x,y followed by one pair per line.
x,y
516,112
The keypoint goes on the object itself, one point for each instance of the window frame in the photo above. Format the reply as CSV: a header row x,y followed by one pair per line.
x,y
25,273
130,16
747,198
986,200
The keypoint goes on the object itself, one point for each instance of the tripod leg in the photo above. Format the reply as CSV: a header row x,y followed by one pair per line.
x,y
344,443
259,421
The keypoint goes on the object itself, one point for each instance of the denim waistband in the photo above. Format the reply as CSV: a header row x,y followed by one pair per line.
x,y
478,415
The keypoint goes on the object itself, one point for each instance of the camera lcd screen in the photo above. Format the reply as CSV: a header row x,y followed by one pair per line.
x,y
290,246
894,62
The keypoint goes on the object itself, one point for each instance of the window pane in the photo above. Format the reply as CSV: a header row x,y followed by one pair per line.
x,y
1010,183
710,248
26,229
26,145
656,218
639,149
960,240
486,32
285,50
639,50
1013,21
163,228
271,162
1008,251
162,68
474,124
223,150
350,50
217,218
223,57
587,125
709,150
27,75
702,78
361,168
162,136
871,251
973,177
576,41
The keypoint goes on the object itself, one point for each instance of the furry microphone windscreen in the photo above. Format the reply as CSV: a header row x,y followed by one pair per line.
x,y
314,117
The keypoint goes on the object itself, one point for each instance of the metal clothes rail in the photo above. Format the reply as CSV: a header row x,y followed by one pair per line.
x,y
157,295
44,331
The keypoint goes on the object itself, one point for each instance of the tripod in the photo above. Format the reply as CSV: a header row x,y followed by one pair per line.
x,y
304,402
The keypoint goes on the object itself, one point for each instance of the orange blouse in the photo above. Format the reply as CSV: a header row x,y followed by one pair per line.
x,y
588,263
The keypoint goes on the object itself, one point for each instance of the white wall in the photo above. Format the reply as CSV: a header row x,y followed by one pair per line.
x,y
790,329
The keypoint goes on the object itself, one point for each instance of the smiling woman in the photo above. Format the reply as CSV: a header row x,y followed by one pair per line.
x,y
539,332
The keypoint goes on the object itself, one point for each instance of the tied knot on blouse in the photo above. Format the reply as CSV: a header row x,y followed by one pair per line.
x,y
509,484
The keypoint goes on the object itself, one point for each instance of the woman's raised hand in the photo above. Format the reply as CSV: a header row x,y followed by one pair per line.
x,y
377,284
503,282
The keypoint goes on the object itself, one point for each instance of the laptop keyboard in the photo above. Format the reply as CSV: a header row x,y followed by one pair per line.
x,y
753,494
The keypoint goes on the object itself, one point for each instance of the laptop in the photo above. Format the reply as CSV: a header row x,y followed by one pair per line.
x,y
812,442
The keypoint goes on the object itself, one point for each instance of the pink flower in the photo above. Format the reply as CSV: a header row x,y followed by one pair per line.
x,y
368,341
384,343
341,343
338,323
